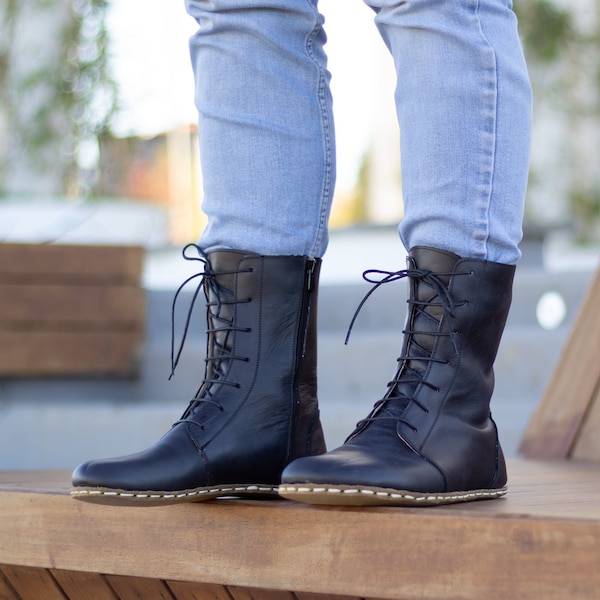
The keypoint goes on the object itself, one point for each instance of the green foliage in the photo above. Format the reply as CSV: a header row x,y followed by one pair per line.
x,y
545,28
79,93
586,209
562,53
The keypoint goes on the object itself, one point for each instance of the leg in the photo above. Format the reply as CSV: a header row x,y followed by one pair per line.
x,y
266,127
464,107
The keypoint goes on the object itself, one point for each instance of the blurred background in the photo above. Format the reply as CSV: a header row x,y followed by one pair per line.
x,y
98,147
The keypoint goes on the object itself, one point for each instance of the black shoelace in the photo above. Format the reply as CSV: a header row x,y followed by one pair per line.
x,y
384,409
215,371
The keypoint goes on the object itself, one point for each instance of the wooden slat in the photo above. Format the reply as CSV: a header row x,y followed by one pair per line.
x,y
89,586
587,443
60,307
244,593
6,591
24,262
70,310
555,425
134,588
310,596
26,353
542,541
31,583
93,586
189,590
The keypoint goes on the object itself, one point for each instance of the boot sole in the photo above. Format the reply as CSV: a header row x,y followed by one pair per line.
x,y
99,495
347,495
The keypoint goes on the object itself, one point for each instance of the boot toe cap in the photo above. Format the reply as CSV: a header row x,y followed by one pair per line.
x,y
124,473
171,464
348,466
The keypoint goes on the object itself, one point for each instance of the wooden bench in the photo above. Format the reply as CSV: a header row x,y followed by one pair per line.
x,y
540,542
68,310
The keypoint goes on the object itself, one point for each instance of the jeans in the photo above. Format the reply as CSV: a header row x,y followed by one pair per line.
x,y
267,137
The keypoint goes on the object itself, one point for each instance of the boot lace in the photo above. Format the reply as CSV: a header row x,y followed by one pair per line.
x,y
216,363
392,406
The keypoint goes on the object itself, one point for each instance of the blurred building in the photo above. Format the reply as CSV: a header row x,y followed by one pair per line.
x,y
163,170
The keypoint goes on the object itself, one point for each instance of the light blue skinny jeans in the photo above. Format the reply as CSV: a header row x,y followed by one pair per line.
x,y
267,135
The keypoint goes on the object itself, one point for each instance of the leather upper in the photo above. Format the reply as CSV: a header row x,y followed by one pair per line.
x,y
432,431
257,407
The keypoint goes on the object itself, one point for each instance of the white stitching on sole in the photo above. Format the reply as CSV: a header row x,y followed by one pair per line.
x,y
127,495
411,497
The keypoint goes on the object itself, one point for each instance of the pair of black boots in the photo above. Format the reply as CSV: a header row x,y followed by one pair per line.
x,y
253,428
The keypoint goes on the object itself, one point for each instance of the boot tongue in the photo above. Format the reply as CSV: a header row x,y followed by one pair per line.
x,y
430,259
426,316
221,289
225,265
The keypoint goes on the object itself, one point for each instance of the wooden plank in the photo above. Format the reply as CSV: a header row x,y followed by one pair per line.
x,y
66,262
76,586
134,588
70,310
244,593
6,591
310,596
555,425
189,590
39,482
93,586
31,583
587,443
51,353
185,590
542,541
59,307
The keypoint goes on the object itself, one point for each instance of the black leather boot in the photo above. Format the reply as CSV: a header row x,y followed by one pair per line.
x,y
431,439
256,409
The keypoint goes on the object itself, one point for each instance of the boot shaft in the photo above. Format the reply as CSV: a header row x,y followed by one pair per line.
x,y
458,310
459,327
257,406
438,403
261,354
431,438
